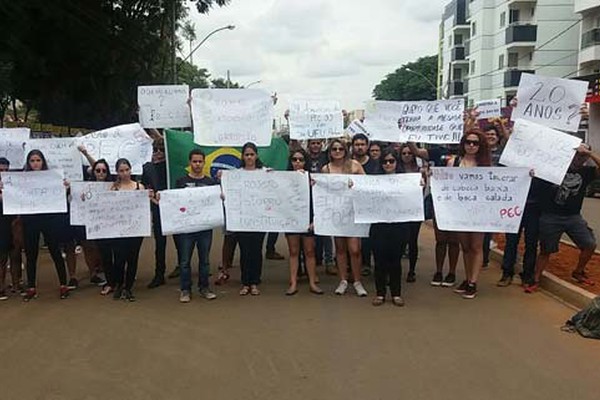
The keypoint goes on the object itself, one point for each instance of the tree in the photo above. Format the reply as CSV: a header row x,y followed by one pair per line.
x,y
413,81
189,33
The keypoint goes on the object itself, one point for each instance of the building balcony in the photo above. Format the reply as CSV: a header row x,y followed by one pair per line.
x,y
521,35
586,5
467,46
458,54
517,2
513,76
456,88
590,38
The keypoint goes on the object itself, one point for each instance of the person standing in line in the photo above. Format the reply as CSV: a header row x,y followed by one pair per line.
x,y
202,240
408,164
127,250
389,241
306,241
473,152
341,163
50,226
6,241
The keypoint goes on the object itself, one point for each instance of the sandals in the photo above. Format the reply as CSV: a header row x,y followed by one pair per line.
x,y
378,301
398,301
582,278
254,290
316,290
244,291
222,278
106,290
291,292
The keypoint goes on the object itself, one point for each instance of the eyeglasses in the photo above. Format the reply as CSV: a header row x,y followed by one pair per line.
x,y
389,161
337,149
471,142
298,159
100,171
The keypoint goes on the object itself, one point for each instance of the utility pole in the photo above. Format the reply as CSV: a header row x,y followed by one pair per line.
x,y
173,42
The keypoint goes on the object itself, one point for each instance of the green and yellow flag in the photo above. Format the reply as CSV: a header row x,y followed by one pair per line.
x,y
179,143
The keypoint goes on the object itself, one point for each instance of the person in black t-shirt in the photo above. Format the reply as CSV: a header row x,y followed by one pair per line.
x,y
561,213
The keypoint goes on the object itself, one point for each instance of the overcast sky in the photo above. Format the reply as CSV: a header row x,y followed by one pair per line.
x,y
338,49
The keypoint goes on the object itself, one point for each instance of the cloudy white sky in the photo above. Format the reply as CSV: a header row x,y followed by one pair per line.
x,y
338,49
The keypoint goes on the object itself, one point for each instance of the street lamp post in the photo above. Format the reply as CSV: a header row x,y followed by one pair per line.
x,y
422,76
228,27
252,83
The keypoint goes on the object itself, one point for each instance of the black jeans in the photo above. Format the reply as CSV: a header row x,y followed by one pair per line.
x,y
127,251
413,244
530,223
160,244
48,225
366,248
271,240
487,238
388,241
251,259
107,257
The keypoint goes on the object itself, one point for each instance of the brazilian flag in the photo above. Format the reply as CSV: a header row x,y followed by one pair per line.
x,y
179,143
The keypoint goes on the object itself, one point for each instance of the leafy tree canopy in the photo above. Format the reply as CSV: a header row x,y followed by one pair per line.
x,y
413,81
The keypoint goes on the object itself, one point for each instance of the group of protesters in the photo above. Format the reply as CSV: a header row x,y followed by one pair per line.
x,y
550,211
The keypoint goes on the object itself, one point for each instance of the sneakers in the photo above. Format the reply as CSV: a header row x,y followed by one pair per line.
x,y
378,301
471,291
73,284
531,288
64,292
505,281
449,280
175,273
360,289
3,295
30,294
342,287
411,277
128,296
398,301
118,293
185,297
97,280
106,290
273,255
156,282
437,279
462,288
207,294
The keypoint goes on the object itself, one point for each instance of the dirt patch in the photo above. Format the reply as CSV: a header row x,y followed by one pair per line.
x,y
563,263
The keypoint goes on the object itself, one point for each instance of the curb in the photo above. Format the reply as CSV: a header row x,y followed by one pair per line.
x,y
567,292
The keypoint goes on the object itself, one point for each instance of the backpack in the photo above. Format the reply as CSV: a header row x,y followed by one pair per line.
x,y
587,321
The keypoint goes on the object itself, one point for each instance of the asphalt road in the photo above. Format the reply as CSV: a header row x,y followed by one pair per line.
x,y
502,345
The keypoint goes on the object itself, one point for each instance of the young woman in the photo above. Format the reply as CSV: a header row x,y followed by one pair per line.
x,y
408,164
250,242
375,151
127,250
306,241
473,152
389,241
341,163
51,226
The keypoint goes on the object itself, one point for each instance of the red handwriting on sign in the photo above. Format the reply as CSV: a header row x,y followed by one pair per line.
x,y
512,212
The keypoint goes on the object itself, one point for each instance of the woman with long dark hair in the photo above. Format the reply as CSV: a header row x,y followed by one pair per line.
x,y
304,241
126,250
51,226
341,163
473,151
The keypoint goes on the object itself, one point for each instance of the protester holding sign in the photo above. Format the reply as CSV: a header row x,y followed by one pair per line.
x,y
306,241
47,224
341,163
5,240
388,240
473,152
127,250
561,213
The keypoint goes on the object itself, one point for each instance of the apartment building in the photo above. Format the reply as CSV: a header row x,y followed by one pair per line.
x,y
485,45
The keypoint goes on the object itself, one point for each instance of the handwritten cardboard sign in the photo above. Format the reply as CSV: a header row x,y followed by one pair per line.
x,y
34,192
479,199
17,134
13,151
164,106
81,195
315,119
232,117
356,127
191,209
489,108
60,153
118,214
545,150
552,102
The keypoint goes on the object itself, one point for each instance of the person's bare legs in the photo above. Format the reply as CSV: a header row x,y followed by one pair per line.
x,y
355,257
310,260
71,260
3,264
476,258
441,244
342,261
294,249
584,257
542,261
453,253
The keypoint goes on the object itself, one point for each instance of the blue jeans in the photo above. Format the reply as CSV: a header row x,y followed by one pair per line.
x,y
202,240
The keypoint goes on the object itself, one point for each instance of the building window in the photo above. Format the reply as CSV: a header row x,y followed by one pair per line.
x,y
472,71
531,56
458,39
473,29
513,16
501,61
503,19
513,60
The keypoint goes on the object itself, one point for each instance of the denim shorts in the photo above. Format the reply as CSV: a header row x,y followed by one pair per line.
x,y
553,226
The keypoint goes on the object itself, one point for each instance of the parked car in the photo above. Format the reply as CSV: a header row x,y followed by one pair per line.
x,y
593,188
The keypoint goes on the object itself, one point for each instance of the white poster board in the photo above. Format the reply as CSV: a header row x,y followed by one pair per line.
x,y
13,151
118,214
266,201
356,127
60,153
191,209
232,117
439,121
481,199
124,141
315,119
387,198
552,102
549,152
164,106
333,207
81,194
18,134
34,192
489,108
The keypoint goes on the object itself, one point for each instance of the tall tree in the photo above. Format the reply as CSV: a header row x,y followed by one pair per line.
x,y
189,33
413,81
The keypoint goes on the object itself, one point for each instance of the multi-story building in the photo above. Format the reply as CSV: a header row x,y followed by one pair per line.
x,y
485,45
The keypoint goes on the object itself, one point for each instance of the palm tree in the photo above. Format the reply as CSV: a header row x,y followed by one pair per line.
x,y
189,33
205,5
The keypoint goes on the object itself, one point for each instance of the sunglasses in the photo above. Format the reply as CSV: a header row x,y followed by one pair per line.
x,y
389,161
472,142
100,171
298,159
337,149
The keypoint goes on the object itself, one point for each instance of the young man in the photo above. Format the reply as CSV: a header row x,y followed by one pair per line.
x,y
202,240
561,213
